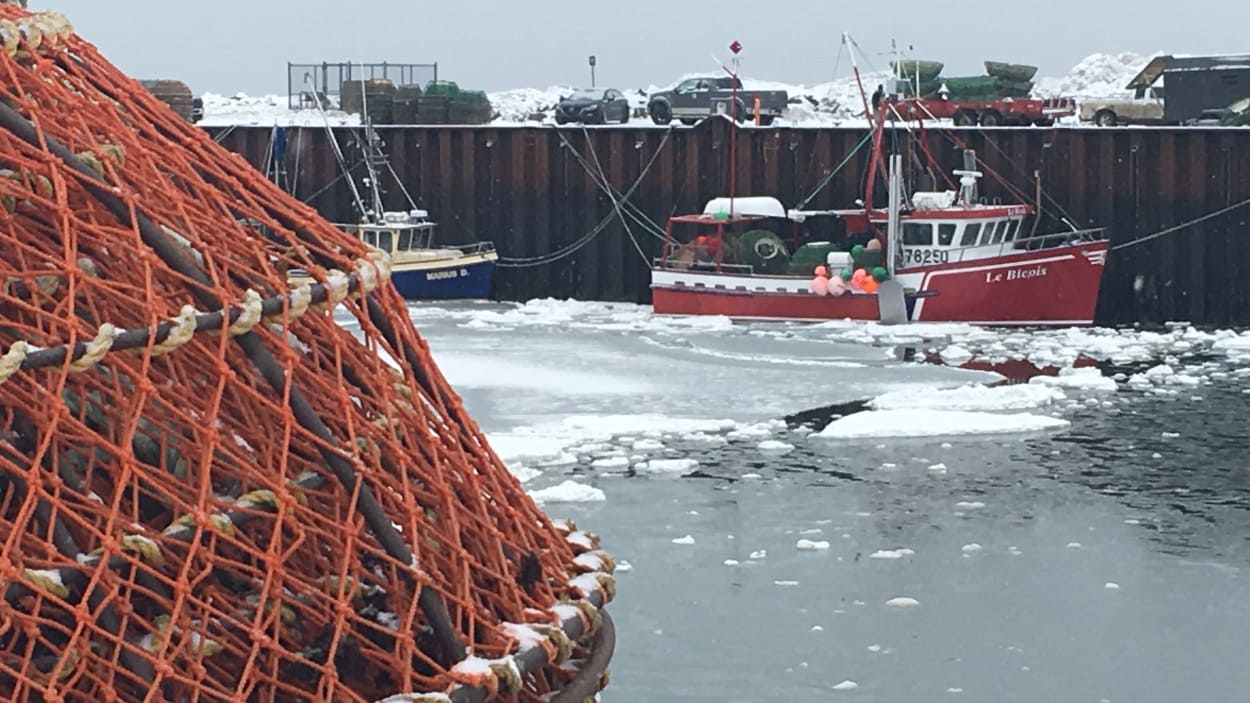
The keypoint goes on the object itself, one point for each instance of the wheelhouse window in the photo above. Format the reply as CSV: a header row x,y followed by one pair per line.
x,y
994,235
918,234
385,242
405,240
971,231
946,234
1013,226
371,237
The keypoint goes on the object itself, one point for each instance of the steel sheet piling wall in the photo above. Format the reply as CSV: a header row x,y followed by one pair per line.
x,y
525,189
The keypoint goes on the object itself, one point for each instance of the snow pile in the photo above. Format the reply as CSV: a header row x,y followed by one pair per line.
x,y
267,111
833,103
1096,76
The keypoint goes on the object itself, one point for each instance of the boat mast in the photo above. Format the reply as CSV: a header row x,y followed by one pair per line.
x,y
892,251
370,147
848,42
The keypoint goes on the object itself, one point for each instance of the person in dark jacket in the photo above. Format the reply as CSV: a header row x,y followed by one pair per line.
x,y
877,96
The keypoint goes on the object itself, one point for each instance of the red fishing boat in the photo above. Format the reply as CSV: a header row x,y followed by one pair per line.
x,y
937,256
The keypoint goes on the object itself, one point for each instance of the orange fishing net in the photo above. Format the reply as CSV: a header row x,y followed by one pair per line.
x,y
210,490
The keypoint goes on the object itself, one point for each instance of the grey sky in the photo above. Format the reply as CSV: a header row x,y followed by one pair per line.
x,y
232,46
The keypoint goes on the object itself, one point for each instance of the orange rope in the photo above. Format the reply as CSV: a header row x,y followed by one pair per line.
x,y
169,529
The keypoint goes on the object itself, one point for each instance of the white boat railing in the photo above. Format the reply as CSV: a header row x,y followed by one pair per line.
x,y
1037,242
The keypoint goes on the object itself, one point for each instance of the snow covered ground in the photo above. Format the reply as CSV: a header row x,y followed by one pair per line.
x,y
827,104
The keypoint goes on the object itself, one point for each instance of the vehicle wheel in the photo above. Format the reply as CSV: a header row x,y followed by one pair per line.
x,y
991,118
689,121
661,113
625,117
1105,118
766,120
1045,122
561,120
965,118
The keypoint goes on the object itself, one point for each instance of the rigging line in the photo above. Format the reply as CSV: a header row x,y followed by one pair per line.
x,y
220,137
332,183
1021,170
829,177
1016,192
334,144
616,205
293,182
1183,225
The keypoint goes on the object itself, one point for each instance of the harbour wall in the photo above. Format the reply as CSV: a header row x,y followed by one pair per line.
x,y
533,192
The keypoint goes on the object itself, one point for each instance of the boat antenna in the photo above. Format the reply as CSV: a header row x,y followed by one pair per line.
x,y
334,144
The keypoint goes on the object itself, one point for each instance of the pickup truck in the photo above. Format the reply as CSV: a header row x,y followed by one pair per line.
x,y
1142,109
696,98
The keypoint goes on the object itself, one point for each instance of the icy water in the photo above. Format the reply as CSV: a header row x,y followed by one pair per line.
x,y
1108,560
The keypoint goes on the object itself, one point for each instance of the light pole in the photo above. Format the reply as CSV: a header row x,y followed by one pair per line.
x,y
592,70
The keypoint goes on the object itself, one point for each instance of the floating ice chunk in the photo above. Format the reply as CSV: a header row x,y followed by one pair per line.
x,y
684,540
731,562
568,492
874,648
970,548
647,445
956,355
969,398
902,602
1085,378
1111,586
759,554
667,466
752,432
807,545
954,690
934,423
772,446
969,505
610,462
847,685
523,473
887,554
812,531
816,628
1074,545
785,583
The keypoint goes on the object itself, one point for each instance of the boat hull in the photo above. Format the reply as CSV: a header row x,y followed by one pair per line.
x,y
469,278
1057,286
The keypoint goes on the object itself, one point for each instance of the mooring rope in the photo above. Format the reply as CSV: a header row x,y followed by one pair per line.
x,y
829,176
1181,226
570,249
616,204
